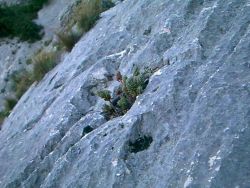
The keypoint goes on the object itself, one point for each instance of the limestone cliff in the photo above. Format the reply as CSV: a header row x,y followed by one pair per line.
x,y
194,115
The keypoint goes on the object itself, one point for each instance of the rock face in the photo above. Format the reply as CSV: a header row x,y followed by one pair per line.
x,y
190,127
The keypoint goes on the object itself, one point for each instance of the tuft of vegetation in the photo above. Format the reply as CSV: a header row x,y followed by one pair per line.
x,y
125,95
124,104
10,104
104,94
88,12
68,39
22,82
43,62
16,20
84,16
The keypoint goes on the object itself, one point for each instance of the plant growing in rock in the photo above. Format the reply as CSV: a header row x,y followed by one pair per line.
x,y
21,82
10,104
83,16
68,39
87,13
125,95
43,62
108,110
104,94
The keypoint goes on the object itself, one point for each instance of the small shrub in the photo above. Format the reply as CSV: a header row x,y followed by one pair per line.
x,y
88,12
104,94
68,39
36,5
106,4
10,104
22,82
84,16
43,62
124,104
16,20
125,95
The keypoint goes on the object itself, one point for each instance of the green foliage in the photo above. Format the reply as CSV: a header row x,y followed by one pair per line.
x,y
126,94
108,112
68,39
16,20
107,4
36,5
104,94
85,14
88,12
22,82
136,72
131,86
124,104
10,104
135,85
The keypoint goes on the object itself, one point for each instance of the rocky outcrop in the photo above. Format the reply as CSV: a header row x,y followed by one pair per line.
x,y
190,127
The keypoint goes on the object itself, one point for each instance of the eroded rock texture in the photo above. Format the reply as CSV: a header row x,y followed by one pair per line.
x,y
190,127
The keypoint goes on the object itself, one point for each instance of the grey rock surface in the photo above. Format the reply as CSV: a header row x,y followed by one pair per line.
x,y
13,58
51,16
195,109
